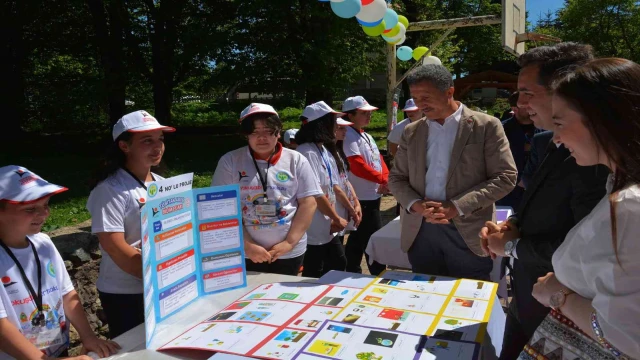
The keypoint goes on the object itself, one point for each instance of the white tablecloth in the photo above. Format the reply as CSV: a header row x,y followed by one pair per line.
x,y
384,247
133,343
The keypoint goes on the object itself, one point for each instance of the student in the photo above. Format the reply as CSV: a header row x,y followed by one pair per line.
x,y
412,113
277,192
37,299
118,192
290,139
369,177
316,139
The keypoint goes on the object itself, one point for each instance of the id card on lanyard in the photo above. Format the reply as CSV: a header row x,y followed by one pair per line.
x,y
266,207
41,334
327,164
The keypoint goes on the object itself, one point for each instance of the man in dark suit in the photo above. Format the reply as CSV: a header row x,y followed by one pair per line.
x,y
561,193
539,145
520,131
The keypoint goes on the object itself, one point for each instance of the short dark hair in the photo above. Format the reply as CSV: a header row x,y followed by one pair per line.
x,y
556,60
272,122
513,99
437,75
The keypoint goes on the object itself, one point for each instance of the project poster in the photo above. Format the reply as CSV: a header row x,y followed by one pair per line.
x,y
191,245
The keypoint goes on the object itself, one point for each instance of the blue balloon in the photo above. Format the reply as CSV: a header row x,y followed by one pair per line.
x,y
369,24
404,53
346,9
390,19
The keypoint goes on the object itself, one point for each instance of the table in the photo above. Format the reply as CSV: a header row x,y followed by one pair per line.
x,y
384,247
133,341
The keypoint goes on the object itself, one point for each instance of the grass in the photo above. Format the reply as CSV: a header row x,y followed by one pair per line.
x,y
68,160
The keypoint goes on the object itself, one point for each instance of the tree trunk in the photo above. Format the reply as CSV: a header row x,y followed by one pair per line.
x,y
12,85
110,42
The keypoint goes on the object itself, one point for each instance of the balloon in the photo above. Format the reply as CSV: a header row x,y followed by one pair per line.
x,y
372,14
393,31
402,40
346,9
366,2
403,20
390,18
374,30
404,53
419,52
396,39
431,60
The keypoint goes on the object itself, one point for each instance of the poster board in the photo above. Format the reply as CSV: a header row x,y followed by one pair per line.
x,y
191,245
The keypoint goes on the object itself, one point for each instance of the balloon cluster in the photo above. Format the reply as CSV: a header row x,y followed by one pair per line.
x,y
374,17
405,53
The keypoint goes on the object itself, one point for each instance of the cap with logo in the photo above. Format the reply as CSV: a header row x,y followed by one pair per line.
x,y
410,105
357,103
343,122
255,108
317,110
18,185
290,135
138,121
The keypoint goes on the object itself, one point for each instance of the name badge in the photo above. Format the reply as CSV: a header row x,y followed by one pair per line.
x,y
44,337
267,208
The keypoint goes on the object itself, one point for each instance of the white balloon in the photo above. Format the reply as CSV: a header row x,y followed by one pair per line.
x,y
431,60
402,40
372,12
399,36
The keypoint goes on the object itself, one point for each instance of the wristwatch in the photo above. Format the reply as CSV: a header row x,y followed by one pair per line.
x,y
559,298
510,246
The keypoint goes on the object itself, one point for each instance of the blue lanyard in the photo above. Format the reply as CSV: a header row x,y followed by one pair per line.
x,y
326,163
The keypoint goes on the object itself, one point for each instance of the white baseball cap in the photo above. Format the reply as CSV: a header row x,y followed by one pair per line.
x,y
317,110
290,134
357,102
410,105
138,121
343,122
255,108
20,186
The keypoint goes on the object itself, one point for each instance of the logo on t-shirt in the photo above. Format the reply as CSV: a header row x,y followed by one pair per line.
x,y
242,175
6,281
20,172
283,176
51,270
141,202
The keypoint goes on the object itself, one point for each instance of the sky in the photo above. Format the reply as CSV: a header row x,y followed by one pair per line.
x,y
537,7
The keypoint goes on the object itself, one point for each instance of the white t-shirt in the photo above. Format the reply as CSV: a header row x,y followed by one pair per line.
x,y
326,172
340,209
362,144
289,178
16,303
115,207
396,133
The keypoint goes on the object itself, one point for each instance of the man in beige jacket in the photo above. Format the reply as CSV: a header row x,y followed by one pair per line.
x,y
450,169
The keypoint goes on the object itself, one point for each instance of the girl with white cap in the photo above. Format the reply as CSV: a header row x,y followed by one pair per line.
x,y
412,113
118,192
349,207
37,299
316,141
277,190
369,176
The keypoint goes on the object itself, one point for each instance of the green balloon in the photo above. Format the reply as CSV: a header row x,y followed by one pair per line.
x,y
419,51
403,20
374,30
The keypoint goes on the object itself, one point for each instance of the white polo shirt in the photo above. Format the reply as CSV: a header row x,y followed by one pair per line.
x,y
362,144
16,303
326,172
289,178
115,207
396,133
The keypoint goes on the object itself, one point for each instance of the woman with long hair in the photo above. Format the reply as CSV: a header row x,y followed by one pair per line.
x,y
277,193
349,207
316,141
118,192
596,284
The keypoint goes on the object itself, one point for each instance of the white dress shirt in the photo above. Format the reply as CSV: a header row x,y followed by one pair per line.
x,y
439,147
586,263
